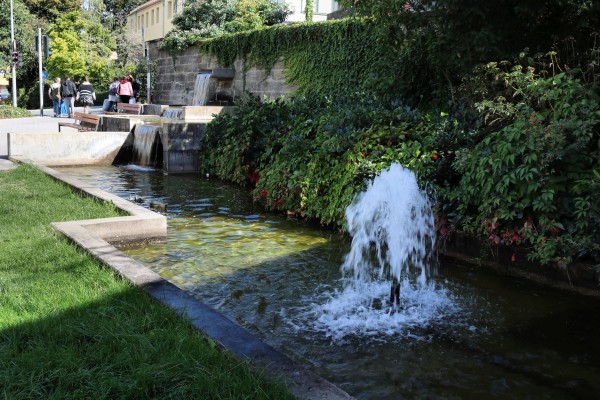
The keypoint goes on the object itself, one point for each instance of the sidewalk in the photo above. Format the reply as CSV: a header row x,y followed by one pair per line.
x,y
36,124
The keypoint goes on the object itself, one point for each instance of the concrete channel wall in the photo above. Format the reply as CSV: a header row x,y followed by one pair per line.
x,y
67,148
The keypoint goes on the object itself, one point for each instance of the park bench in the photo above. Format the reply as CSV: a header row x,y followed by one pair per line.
x,y
83,122
125,108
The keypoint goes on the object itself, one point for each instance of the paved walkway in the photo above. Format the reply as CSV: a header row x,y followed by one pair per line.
x,y
34,124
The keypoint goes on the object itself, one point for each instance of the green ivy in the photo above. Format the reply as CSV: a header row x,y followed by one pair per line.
x,y
345,62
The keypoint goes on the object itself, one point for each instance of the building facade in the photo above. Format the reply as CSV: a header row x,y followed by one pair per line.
x,y
154,19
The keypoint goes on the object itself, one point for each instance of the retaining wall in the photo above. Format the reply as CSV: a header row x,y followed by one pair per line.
x,y
68,148
176,78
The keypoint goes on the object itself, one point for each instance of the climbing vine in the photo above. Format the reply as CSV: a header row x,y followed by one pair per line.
x,y
343,63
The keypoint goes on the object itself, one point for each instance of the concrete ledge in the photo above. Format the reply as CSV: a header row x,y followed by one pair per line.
x,y
94,236
67,148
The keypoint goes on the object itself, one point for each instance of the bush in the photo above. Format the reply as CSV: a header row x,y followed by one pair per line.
x,y
310,155
534,180
13,112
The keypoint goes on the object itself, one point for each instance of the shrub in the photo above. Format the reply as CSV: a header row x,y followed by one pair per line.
x,y
534,180
13,112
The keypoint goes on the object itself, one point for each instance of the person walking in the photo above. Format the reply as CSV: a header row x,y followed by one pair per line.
x,y
67,92
54,94
113,97
124,90
86,94
135,85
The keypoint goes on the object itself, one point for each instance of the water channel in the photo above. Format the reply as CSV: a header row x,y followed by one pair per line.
x,y
477,336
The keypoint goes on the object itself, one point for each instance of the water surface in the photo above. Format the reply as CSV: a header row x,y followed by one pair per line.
x,y
492,337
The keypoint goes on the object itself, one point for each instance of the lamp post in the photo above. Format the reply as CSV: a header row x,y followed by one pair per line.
x,y
14,49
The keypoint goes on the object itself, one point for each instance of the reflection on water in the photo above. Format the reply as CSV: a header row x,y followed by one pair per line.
x,y
503,338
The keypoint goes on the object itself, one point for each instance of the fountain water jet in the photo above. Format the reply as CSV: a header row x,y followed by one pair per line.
x,y
393,242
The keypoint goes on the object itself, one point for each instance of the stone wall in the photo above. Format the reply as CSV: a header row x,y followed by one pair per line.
x,y
176,79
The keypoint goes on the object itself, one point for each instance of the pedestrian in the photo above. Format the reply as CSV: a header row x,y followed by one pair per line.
x,y
86,94
124,90
67,92
113,97
54,93
135,85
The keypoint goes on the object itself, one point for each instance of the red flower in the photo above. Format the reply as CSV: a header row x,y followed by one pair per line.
x,y
434,156
513,258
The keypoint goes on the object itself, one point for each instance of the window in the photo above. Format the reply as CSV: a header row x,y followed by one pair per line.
x,y
138,22
157,14
142,22
169,9
152,15
147,18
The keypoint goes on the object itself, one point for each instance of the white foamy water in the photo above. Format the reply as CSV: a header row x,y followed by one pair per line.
x,y
201,89
393,237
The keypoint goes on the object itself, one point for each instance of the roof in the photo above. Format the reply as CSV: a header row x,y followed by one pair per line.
x,y
145,5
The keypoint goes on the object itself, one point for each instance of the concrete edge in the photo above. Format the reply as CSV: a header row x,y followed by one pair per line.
x,y
143,224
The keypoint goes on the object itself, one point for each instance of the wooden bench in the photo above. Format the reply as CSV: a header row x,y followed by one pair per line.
x,y
83,122
126,108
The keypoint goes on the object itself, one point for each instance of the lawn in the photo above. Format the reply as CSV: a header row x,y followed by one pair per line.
x,y
72,329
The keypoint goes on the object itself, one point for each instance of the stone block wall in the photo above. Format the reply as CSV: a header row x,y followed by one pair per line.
x,y
176,78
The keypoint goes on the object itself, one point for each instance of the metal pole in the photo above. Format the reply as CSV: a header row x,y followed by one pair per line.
x,y
40,71
148,83
14,46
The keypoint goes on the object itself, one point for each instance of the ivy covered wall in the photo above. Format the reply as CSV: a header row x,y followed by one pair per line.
x,y
328,57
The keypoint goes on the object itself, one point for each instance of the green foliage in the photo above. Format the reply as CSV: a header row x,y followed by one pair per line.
x,y
526,173
534,180
7,111
203,19
25,32
311,154
116,11
50,10
344,63
431,44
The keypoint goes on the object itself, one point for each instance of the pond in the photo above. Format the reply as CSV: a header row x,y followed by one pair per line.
x,y
486,335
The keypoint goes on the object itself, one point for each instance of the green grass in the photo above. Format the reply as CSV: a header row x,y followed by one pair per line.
x,y
71,329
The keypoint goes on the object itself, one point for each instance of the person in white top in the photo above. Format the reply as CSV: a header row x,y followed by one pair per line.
x,y
54,94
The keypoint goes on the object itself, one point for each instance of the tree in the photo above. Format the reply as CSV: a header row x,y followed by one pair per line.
x,y
81,47
49,10
25,33
116,12
207,18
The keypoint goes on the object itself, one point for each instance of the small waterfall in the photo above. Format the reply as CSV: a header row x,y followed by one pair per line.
x,y
391,259
201,89
145,142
